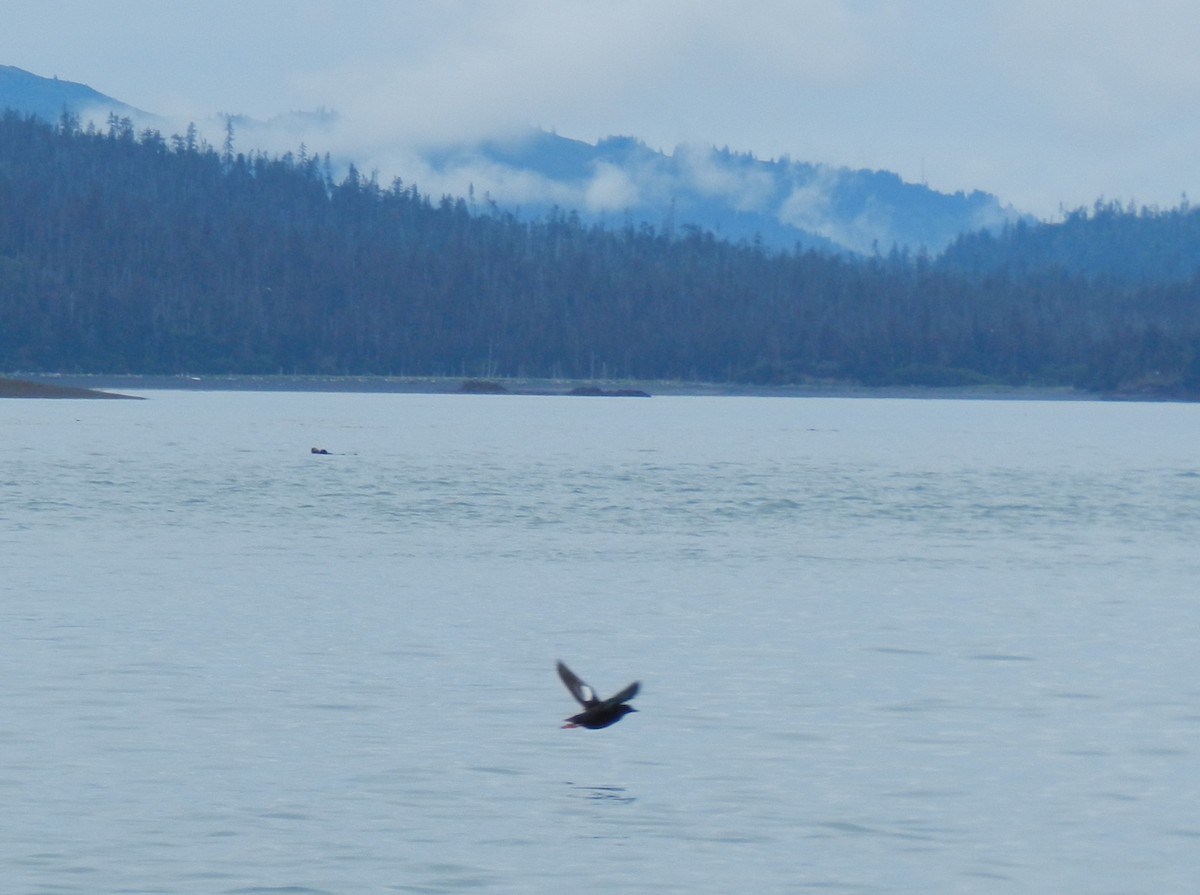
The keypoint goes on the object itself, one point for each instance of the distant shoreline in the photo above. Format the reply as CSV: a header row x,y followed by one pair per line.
x,y
108,386
25,388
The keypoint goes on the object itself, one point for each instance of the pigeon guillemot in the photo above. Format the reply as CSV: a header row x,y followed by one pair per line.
x,y
596,713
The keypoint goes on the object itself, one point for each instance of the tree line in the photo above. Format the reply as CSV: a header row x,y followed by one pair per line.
x,y
134,252
1125,244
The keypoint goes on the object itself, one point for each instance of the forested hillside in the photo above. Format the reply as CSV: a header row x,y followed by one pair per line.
x,y
124,252
1106,243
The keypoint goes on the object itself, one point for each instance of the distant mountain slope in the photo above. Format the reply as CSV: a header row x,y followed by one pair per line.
x,y
735,195
619,180
48,97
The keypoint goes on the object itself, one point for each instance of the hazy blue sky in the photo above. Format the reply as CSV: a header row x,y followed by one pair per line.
x,y
1043,102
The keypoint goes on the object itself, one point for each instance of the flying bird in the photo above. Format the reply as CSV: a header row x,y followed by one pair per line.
x,y
597,713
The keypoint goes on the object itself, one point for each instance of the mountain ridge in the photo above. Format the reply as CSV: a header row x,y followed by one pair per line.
x,y
737,196
47,98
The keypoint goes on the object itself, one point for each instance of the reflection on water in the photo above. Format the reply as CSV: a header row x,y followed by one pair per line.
x,y
601,793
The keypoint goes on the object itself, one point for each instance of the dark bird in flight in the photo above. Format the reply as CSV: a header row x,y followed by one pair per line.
x,y
596,712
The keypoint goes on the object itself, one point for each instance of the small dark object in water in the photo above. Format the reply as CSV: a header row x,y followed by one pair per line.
x,y
597,713
319,451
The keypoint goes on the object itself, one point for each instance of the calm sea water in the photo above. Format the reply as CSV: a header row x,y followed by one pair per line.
x,y
886,646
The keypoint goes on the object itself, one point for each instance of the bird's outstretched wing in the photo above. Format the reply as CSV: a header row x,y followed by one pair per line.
x,y
624,696
584,694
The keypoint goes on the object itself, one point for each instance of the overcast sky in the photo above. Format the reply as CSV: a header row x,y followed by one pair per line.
x,y
1046,103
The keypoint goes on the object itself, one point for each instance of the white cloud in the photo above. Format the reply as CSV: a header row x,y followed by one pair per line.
x,y
745,187
611,189
807,206
489,181
1040,101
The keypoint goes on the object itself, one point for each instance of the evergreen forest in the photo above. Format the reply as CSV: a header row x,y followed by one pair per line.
x,y
131,252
